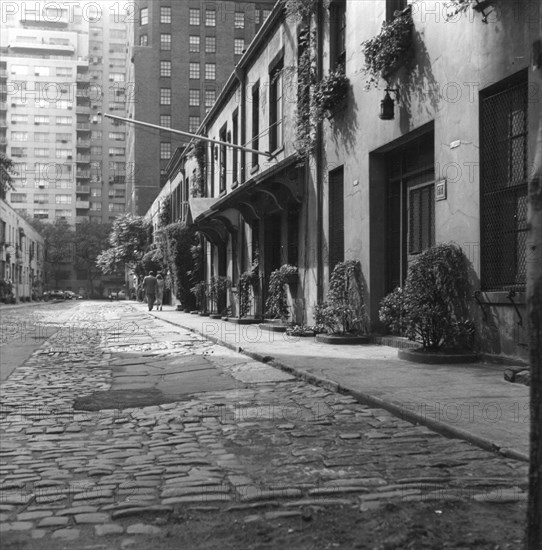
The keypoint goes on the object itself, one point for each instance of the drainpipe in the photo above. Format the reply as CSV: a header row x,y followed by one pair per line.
x,y
319,162
241,77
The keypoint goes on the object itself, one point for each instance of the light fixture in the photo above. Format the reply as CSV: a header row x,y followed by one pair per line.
x,y
387,105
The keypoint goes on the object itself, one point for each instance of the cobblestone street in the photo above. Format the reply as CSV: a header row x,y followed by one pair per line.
x,y
121,431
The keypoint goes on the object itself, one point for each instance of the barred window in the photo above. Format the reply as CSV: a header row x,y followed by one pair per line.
x,y
239,20
503,184
194,43
238,46
193,123
18,197
421,231
165,96
194,98
143,40
194,70
194,16
165,14
165,150
210,71
144,16
210,44
165,68
165,120
210,97
165,41
210,18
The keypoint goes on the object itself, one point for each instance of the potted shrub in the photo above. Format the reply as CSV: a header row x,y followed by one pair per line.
x,y
199,290
245,285
342,316
276,305
386,52
218,295
331,92
432,307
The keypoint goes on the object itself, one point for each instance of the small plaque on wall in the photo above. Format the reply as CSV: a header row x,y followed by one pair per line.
x,y
440,190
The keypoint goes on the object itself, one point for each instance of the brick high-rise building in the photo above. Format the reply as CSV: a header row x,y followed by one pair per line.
x,y
181,55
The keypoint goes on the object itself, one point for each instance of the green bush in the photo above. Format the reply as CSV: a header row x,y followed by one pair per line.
x,y
344,310
276,305
433,305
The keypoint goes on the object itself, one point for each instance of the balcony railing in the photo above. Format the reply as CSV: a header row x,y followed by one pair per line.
x,y
82,204
83,77
83,158
83,174
3,73
3,106
84,189
83,143
83,126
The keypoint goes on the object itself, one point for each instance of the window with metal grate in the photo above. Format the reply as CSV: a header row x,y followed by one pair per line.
x,y
503,184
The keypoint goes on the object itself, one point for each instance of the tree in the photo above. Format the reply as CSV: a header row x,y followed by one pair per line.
x,y
91,239
129,240
6,170
534,309
59,244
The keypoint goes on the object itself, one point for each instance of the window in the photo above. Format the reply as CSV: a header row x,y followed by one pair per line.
x,y
194,16
165,150
210,71
19,69
60,138
96,206
41,214
421,231
503,184
19,136
194,98
117,136
193,124
210,18
114,207
265,14
165,96
19,152
144,16
276,108
116,77
18,197
116,151
193,42
63,153
40,152
96,192
117,33
63,120
165,14
63,199
44,137
165,41
96,135
143,40
41,184
337,33
63,214
210,97
64,71
223,136
96,150
41,198
238,46
194,71
42,71
21,119
210,44
63,184
255,121
165,69
239,20
336,218
165,120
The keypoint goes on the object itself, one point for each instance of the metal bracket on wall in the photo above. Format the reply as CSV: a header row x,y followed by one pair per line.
x,y
510,297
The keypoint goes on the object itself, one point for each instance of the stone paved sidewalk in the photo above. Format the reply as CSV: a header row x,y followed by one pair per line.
x,y
469,401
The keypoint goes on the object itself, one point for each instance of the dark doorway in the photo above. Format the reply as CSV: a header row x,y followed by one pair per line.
x,y
410,205
336,218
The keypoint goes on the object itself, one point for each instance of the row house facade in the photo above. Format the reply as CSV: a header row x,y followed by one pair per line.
x,y
440,151
22,254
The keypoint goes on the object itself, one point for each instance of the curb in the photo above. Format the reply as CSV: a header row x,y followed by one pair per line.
x,y
366,399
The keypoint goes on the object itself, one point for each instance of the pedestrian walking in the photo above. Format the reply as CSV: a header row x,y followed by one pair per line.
x,y
160,293
150,286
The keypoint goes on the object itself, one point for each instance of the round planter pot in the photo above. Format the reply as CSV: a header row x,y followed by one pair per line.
x,y
448,357
342,340
273,327
244,320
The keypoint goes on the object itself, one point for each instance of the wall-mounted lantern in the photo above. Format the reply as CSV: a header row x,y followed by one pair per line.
x,y
387,105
